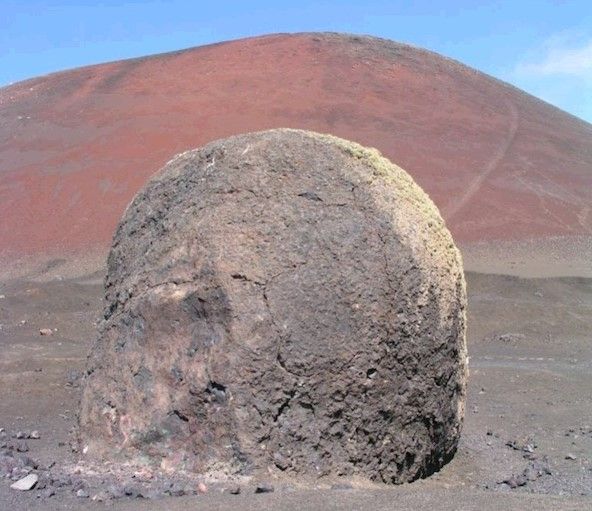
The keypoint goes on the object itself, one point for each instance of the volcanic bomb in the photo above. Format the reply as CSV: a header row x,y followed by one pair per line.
x,y
285,301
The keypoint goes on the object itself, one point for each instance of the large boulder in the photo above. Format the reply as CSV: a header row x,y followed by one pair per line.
x,y
282,301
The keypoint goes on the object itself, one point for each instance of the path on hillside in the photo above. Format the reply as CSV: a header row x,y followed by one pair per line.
x,y
492,164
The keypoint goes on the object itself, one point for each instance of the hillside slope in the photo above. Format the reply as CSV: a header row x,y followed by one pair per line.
x,y
75,146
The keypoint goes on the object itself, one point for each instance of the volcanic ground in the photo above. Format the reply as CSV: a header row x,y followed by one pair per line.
x,y
76,146
511,175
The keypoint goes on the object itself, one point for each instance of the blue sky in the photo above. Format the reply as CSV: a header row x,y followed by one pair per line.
x,y
544,47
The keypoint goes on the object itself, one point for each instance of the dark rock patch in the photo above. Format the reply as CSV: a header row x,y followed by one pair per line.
x,y
280,301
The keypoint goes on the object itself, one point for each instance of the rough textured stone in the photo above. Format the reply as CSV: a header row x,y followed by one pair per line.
x,y
280,299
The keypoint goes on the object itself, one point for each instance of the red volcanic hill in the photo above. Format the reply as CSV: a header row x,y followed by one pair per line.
x,y
75,146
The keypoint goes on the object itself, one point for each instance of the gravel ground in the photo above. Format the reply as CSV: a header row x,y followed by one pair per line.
x,y
527,440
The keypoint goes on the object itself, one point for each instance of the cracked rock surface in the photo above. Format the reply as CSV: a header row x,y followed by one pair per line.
x,y
281,301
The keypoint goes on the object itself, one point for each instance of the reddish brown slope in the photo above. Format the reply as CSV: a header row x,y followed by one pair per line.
x,y
76,146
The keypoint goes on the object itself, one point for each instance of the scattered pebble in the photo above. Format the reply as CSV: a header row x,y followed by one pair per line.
x,y
341,486
234,489
47,493
82,494
526,446
515,481
280,461
264,488
26,483
73,378
77,484
570,456
116,491
532,472
22,447
133,491
102,496
35,435
511,337
46,331
202,488
176,490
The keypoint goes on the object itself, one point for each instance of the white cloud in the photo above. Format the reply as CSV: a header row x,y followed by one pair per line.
x,y
558,71
558,57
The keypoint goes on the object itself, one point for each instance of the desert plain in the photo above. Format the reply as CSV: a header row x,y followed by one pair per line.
x,y
511,175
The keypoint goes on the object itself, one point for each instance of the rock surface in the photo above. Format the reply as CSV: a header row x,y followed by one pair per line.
x,y
282,301
26,483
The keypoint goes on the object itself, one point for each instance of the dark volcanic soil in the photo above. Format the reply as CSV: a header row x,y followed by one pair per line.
x,y
528,423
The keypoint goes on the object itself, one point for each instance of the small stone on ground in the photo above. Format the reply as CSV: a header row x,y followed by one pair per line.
x,y
264,488
26,483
